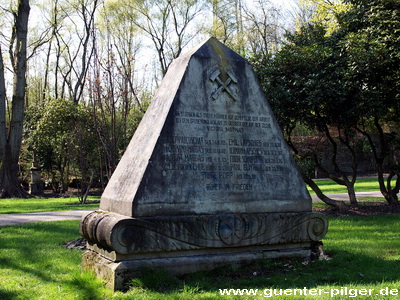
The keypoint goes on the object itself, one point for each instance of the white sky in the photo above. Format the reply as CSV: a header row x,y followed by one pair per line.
x,y
286,5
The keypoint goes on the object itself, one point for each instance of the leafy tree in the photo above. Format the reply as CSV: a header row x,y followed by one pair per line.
x,y
325,12
347,80
62,135
371,46
304,84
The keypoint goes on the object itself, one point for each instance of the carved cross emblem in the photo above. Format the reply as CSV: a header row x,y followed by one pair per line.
x,y
224,85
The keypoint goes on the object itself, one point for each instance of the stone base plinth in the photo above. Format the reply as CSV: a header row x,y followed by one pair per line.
x,y
118,274
120,246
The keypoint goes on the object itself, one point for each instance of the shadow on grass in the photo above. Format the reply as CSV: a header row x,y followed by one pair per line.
x,y
90,288
7,295
344,269
34,256
35,252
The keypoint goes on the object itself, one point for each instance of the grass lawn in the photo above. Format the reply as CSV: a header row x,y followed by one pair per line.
x,y
362,185
365,254
9,206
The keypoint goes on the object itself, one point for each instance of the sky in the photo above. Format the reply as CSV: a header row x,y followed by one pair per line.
x,y
286,5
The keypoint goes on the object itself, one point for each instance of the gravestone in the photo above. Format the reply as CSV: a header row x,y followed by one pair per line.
x,y
36,183
206,180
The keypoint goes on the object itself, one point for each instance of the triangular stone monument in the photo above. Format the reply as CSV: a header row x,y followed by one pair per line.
x,y
207,178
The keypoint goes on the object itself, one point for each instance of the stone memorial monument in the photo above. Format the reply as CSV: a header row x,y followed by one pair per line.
x,y
206,180
36,183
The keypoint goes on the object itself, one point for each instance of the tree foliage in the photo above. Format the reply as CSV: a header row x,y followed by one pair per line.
x,y
343,83
61,133
336,77
325,12
305,87
93,58
372,46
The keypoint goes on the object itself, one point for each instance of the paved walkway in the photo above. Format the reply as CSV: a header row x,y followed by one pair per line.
x,y
17,219
345,196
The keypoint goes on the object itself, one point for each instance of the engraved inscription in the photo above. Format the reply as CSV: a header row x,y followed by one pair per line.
x,y
223,158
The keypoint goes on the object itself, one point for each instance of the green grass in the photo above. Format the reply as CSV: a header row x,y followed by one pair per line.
x,y
365,253
362,185
8,206
35,265
30,205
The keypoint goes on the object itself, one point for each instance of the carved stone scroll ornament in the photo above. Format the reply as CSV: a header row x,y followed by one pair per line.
x,y
132,235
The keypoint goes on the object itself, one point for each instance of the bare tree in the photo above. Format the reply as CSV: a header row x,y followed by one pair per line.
x,y
114,93
168,24
73,48
263,28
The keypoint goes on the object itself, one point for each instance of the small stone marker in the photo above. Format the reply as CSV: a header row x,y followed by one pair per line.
x,y
206,180
36,183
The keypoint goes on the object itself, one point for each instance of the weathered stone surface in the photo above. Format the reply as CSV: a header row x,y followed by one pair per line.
x,y
125,235
36,184
206,180
116,274
207,144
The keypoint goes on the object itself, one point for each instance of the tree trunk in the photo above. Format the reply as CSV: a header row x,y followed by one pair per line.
x,y
387,191
338,204
84,196
391,198
349,184
344,179
3,126
10,186
352,193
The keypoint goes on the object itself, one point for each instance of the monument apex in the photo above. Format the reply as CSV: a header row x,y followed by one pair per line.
x,y
208,143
